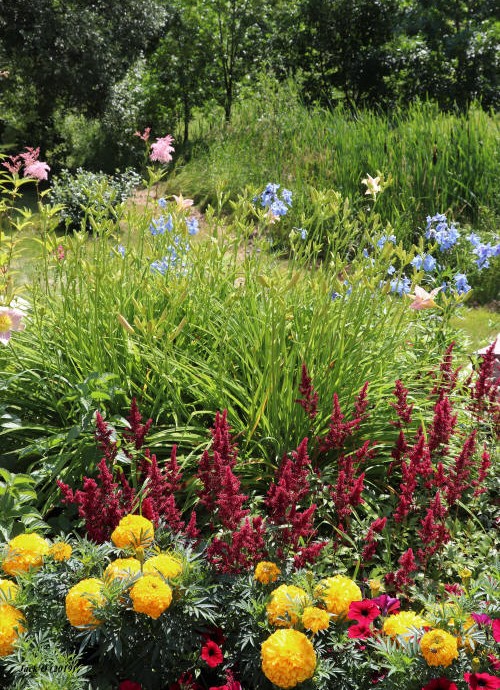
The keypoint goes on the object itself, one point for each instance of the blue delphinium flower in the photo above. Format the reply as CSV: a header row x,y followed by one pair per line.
x,y
401,285
192,225
303,233
335,295
461,284
365,253
286,195
391,270
162,203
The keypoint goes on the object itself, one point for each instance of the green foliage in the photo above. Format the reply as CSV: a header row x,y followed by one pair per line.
x,y
86,197
41,663
18,499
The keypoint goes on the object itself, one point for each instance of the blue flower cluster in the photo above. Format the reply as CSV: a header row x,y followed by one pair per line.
x,y
175,260
438,230
192,225
483,251
425,261
401,286
271,200
385,238
160,225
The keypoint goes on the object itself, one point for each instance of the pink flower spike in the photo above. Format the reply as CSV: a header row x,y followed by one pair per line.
x,y
10,320
423,299
162,149
38,170
145,135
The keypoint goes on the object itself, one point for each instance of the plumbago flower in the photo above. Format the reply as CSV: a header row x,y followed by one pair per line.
x,y
10,320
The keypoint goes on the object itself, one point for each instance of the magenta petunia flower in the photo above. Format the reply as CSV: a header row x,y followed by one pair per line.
x,y
162,149
495,626
10,320
481,618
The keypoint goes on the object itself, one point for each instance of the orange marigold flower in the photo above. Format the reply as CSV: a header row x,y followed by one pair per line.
x,y
439,648
150,595
61,551
285,606
24,552
122,569
288,658
314,619
338,593
81,601
8,591
266,572
163,564
400,623
133,531
11,626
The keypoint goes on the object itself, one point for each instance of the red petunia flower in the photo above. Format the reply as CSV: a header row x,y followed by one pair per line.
x,y
495,627
363,611
440,684
360,632
129,685
212,654
482,680
494,661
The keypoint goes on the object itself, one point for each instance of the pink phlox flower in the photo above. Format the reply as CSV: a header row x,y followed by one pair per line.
x,y
162,149
10,320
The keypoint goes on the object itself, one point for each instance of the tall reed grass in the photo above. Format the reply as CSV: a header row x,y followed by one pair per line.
x,y
438,162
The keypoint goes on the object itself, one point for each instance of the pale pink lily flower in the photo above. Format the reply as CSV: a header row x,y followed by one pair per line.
x,y
181,202
423,299
373,185
162,149
10,320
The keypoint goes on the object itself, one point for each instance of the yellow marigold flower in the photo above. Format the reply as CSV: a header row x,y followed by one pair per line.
x,y
133,531
286,603
439,648
266,572
150,595
288,658
338,593
400,623
163,564
8,591
60,551
24,552
122,569
315,619
11,626
82,599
